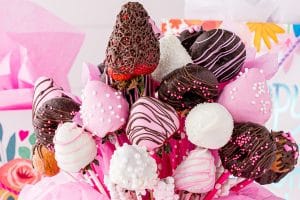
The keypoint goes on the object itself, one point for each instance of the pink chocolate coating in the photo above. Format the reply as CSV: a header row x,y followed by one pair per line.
x,y
103,109
196,173
248,98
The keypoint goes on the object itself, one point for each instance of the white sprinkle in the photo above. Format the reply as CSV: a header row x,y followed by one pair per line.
x,y
119,106
107,95
122,119
256,95
261,71
112,112
117,116
234,89
110,107
253,102
94,93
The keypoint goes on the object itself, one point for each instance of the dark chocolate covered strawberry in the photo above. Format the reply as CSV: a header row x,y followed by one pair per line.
x,y
132,49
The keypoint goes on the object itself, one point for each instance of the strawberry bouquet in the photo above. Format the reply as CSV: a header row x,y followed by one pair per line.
x,y
169,117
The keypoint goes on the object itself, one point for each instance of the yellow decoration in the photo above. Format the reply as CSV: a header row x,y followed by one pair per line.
x,y
264,31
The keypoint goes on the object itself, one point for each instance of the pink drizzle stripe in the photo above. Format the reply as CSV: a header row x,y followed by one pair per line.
x,y
227,43
205,52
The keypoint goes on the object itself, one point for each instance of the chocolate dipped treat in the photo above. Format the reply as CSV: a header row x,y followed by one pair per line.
x,y
187,38
287,153
151,122
250,151
49,115
220,51
132,49
43,160
188,86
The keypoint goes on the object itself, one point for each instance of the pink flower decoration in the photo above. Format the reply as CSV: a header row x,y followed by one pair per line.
x,y
18,172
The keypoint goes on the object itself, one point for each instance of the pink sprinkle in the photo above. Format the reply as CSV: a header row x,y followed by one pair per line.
x,y
287,148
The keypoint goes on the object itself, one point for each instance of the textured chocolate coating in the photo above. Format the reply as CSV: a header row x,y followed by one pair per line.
x,y
287,152
220,51
188,86
133,48
50,115
187,38
250,151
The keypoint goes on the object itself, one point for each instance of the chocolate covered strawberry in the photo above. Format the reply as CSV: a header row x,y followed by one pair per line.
x,y
132,49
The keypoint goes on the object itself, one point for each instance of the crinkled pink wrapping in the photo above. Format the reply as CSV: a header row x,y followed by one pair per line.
x,y
251,192
34,43
60,187
89,72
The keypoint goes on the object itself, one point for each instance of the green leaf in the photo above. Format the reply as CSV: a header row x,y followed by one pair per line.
x,y
24,152
32,139
11,148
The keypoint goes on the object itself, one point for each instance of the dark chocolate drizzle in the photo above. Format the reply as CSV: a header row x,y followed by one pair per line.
x,y
188,86
250,151
161,116
47,91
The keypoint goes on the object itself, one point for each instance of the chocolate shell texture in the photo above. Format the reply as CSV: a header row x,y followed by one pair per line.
x,y
250,152
133,48
188,86
220,51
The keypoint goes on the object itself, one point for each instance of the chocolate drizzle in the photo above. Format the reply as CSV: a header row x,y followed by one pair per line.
x,y
250,152
161,115
49,115
287,152
38,98
133,48
220,51
188,86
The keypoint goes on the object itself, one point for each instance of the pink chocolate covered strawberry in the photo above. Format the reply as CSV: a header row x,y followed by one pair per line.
x,y
132,49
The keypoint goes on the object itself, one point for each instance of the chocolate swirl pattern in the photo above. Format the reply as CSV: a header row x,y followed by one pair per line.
x,y
220,51
250,152
188,86
151,122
